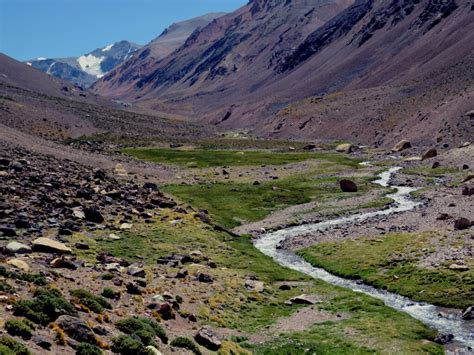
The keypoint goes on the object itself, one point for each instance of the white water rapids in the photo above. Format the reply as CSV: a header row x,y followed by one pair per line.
x,y
428,314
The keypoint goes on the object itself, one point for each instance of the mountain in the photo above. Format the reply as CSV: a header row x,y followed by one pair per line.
x,y
86,69
366,70
162,46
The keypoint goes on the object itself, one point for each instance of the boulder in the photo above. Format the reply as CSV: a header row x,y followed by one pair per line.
x,y
76,329
120,170
435,165
468,313
348,186
19,264
134,289
78,213
164,309
18,248
430,153
181,274
462,224
42,342
50,246
344,148
126,226
402,145
207,338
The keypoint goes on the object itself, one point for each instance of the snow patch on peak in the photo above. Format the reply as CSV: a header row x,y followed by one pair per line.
x,y
91,64
108,48
41,58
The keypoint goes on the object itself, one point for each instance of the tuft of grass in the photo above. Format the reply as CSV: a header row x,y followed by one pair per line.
x,y
110,293
93,302
186,343
391,262
46,306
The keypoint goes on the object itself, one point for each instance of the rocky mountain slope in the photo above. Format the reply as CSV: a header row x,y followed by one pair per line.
x,y
370,71
41,105
86,69
162,46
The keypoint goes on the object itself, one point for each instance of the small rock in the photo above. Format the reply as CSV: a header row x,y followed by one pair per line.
x,y
19,264
181,274
257,286
120,170
134,289
435,165
93,215
402,145
443,217
348,186
462,224
113,236
204,278
303,299
42,342
285,287
51,246
468,314
78,213
468,190
207,338
82,246
458,267
430,153
443,338
344,148
136,270
18,248
126,226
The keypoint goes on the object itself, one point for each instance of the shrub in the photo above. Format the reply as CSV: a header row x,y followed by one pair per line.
x,y
126,345
88,349
4,287
45,307
110,293
37,279
12,347
146,329
94,303
107,277
186,343
18,327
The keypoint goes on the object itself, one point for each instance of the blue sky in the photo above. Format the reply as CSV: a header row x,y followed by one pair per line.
x,y
61,28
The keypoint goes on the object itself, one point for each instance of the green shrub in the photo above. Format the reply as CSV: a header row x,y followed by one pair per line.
x,y
45,307
107,277
18,327
88,349
37,279
146,329
186,343
94,303
12,347
110,293
126,345
4,287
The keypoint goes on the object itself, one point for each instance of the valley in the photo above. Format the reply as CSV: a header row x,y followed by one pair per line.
x,y
292,177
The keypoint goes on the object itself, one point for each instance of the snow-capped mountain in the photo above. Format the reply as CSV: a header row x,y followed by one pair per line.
x,y
88,68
